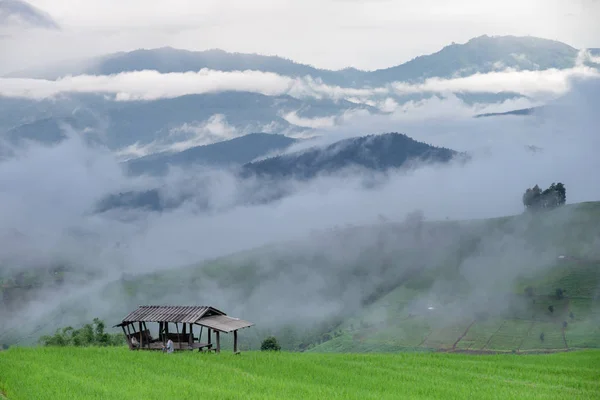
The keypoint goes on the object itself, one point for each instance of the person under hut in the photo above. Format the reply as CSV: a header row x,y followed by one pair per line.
x,y
168,348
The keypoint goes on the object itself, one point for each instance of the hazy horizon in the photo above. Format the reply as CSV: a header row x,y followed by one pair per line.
x,y
360,36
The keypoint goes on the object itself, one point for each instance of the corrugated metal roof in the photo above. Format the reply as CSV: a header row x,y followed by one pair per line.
x,y
224,323
184,314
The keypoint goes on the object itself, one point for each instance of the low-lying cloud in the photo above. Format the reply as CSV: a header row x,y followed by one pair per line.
x,y
151,85
48,194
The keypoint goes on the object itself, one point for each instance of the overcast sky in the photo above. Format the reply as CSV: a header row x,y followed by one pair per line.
x,y
326,33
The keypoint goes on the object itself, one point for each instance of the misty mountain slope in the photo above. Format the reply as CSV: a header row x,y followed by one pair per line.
x,y
369,288
165,124
269,180
168,59
523,111
21,13
236,151
373,152
478,55
481,55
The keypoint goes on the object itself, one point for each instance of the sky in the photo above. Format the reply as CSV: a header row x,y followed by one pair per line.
x,y
326,33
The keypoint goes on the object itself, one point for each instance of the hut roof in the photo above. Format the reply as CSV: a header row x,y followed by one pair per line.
x,y
224,323
184,314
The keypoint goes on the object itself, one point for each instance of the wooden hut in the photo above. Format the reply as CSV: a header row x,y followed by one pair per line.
x,y
169,319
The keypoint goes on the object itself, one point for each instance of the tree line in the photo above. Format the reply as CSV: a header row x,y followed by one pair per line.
x,y
554,196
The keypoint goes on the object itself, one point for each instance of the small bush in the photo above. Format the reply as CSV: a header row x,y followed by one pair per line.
x,y
542,336
529,292
88,335
270,344
551,309
560,294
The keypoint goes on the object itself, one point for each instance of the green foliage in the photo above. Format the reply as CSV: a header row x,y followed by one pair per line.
x,y
270,344
555,196
117,373
560,294
89,335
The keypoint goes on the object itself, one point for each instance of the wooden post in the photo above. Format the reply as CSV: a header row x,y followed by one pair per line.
x,y
235,350
191,334
141,339
178,335
218,341
209,336
160,334
148,340
126,337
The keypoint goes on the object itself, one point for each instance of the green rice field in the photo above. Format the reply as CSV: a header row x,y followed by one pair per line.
x,y
117,373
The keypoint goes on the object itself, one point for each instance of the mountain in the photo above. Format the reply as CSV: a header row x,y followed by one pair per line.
x,y
266,181
160,125
479,55
523,111
373,152
21,13
168,59
236,151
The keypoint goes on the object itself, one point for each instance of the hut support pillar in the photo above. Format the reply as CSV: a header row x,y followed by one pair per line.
x,y
126,337
218,341
191,334
235,344
141,337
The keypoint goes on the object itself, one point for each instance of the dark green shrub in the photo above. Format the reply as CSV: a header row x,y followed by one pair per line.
x,y
270,344
88,335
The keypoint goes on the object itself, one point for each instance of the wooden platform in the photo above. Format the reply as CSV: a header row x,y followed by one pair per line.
x,y
180,346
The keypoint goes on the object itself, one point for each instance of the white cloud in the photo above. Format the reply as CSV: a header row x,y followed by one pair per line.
x,y
322,122
149,85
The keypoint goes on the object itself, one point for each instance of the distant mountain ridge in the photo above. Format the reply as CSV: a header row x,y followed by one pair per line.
x,y
478,55
237,151
264,181
373,152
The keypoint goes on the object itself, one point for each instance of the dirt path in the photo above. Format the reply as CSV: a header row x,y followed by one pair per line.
x,y
564,335
490,339
527,334
463,335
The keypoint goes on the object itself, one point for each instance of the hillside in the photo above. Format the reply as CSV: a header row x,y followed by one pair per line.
x,y
370,288
372,152
115,374
481,54
236,151
163,124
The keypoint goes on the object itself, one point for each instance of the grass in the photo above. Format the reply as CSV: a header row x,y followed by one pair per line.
x,y
100,373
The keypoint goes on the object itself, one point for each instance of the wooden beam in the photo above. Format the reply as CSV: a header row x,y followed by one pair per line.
x,y
178,335
209,336
235,348
141,339
126,337
191,341
218,341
